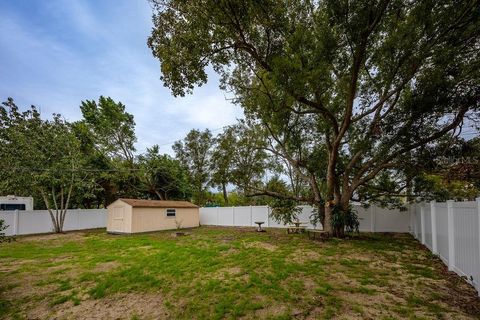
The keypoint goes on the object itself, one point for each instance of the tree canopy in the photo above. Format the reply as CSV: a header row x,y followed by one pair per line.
x,y
345,89
113,128
39,157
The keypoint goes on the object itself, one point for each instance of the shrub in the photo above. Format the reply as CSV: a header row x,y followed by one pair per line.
x,y
3,237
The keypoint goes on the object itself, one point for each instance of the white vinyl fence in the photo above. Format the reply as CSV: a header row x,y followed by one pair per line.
x,y
39,221
451,230
372,219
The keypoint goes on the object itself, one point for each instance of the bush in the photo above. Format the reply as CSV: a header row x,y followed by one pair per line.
x,y
347,219
3,237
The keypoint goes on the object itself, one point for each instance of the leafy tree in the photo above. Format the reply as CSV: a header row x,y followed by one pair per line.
x,y
285,209
238,158
359,83
448,169
194,153
112,127
223,154
162,177
100,174
249,157
39,156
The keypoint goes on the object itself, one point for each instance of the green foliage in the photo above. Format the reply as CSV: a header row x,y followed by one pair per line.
x,y
194,153
39,157
112,127
435,187
3,237
283,210
222,159
318,215
162,177
342,91
248,164
347,219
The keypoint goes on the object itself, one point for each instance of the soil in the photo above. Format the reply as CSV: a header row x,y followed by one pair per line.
x,y
118,306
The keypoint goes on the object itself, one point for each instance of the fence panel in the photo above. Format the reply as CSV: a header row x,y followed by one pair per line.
x,y
208,216
387,220
413,221
418,217
442,230
382,220
365,218
91,219
225,216
428,226
456,231
305,216
467,255
39,221
9,219
260,213
243,216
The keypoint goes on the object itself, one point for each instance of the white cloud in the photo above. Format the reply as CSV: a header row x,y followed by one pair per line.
x,y
101,50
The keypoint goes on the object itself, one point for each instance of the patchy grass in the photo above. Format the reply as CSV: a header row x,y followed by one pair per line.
x,y
216,273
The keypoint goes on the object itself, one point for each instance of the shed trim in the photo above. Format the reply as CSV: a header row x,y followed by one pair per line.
x,y
167,204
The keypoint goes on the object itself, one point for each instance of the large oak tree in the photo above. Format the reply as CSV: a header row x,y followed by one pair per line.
x,y
346,89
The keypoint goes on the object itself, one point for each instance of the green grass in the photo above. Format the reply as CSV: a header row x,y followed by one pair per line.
x,y
217,273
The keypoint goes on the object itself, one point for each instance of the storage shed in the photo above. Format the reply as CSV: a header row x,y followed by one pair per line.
x,y
136,215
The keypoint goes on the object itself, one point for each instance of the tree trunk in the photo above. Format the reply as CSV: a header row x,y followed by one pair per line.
x,y
327,225
225,194
159,195
321,214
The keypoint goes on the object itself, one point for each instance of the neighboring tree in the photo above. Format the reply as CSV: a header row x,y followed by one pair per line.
x,y
223,154
249,159
112,127
39,156
359,84
99,188
194,153
239,159
162,177
448,169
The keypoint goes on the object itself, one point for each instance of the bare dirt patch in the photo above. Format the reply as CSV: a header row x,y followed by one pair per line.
x,y
302,256
230,251
106,266
227,273
261,245
271,311
27,286
68,236
13,265
119,306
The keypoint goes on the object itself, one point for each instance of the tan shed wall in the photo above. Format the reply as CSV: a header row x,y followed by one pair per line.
x,y
119,217
153,219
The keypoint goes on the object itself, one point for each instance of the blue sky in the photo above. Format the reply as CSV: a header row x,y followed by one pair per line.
x,y
56,53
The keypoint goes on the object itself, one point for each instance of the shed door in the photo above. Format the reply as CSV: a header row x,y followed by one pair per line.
x,y
118,219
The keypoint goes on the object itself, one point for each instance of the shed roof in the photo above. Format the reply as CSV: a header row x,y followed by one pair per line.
x,y
158,203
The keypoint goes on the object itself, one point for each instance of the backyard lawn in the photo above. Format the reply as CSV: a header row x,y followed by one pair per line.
x,y
216,273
